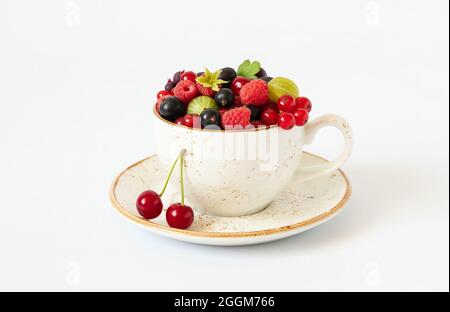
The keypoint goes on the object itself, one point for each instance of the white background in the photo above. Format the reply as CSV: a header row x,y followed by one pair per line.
x,y
77,81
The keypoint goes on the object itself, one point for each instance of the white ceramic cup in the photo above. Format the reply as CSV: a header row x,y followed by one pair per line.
x,y
238,173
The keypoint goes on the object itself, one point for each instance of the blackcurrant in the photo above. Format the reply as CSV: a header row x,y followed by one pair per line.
x,y
170,85
177,77
171,108
266,79
224,98
255,112
210,117
228,74
261,73
212,127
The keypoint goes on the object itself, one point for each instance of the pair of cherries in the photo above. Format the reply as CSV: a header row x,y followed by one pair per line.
x,y
178,215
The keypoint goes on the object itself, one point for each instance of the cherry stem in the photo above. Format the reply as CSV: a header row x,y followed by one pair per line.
x,y
182,176
170,173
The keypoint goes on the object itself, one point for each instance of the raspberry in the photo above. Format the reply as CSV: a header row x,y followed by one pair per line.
x,y
237,117
256,92
185,91
222,111
205,91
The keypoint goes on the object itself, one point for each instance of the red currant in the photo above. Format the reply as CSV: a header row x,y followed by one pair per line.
x,y
149,205
272,106
189,76
180,121
162,94
188,121
303,102
286,121
238,83
301,117
180,216
286,103
269,117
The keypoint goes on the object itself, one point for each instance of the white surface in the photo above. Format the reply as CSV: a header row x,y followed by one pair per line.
x,y
76,97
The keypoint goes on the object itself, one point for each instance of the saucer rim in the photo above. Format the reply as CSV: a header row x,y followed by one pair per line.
x,y
158,227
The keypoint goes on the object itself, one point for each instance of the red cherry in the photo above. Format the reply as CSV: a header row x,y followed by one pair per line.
x,y
303,102
162,94
149,205
180,216
286,103
238,83
180,121
188,121
286,121
301,117
269,117
189,75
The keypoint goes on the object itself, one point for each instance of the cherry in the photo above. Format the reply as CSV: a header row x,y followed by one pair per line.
x,y
162,94
180,216
149,205
188,121
286,121
301,117
238,83
269,117
189,75
303,102
286,103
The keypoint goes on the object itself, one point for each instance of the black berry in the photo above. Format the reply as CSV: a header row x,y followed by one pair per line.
x,y
210,117
171,108
170,85
212,127
224,98
261,73
228,74
266,79
255,112
177,77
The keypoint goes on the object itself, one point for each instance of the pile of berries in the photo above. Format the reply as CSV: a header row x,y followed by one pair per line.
x,y
232,100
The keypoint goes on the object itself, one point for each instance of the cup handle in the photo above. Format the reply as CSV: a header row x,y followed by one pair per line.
x,y
311,130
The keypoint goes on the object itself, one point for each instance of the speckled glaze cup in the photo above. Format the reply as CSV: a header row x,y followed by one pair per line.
x,y
238,173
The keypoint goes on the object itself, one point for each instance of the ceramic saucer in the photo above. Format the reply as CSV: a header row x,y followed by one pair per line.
x,y
300,207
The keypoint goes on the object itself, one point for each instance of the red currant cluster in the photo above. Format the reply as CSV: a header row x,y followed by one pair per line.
x,y
288,113
149,203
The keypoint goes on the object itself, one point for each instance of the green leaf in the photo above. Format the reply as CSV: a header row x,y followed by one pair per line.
x,y
249,69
